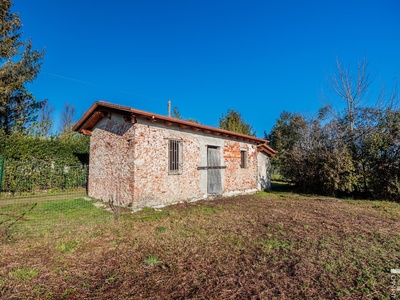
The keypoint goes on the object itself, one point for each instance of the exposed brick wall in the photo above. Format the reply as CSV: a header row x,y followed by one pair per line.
x,y
153,183
111,161
237,178
129,163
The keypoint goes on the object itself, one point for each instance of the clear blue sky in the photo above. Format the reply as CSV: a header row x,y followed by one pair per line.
x,y
258,57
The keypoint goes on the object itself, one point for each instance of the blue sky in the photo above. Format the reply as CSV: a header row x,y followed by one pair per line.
x,y
258,57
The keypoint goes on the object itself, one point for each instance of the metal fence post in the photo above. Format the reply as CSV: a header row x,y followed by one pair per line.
x,y
1,172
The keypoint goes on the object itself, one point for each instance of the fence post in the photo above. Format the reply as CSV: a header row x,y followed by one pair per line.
x,y
1,172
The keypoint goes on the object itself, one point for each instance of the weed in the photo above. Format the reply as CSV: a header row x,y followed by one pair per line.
x,y
182,233
210,210
234,240
161,228
113,277
24,274
329,266
151,260
270,244
67,247
68,292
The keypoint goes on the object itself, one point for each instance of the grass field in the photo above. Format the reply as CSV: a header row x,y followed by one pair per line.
x,y
263,246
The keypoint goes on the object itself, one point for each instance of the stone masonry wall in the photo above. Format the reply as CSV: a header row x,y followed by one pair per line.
x,y
111,161
129,164
237,178
153,184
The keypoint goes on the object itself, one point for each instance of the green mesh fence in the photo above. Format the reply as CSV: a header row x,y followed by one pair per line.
x,y
39,178
39,197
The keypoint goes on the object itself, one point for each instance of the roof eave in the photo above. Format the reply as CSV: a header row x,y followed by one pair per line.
x,y
89,120
267,150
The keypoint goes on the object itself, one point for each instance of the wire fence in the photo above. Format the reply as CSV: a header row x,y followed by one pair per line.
x,y
24,179
40,196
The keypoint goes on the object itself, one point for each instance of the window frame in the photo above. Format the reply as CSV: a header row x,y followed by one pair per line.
x,y
175,147
243,159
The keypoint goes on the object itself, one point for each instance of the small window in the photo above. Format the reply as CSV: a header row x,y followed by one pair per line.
x,y
243,159
174,157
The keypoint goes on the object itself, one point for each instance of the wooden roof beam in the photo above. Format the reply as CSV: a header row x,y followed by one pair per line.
x,y
93,119
86,132
152,119
131,119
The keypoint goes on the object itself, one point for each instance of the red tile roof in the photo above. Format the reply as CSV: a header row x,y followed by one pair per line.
x,y
101,109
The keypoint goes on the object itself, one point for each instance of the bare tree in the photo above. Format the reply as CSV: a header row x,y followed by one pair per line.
x,y
350,88
67,118
388,100
45,119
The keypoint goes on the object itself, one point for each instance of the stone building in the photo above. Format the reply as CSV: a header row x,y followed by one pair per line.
x,y
139,159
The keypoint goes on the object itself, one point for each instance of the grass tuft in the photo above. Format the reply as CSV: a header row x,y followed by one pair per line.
x,y
67,246
161,228
151,260
24,274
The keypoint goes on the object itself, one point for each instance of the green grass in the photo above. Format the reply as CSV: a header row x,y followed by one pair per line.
x,y
43,195
50,217
24,274
67,246
161,228
274,245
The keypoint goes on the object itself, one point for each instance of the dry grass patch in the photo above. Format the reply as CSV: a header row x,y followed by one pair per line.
x,y
265,246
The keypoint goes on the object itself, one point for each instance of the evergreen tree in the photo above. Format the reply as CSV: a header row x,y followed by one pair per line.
x,y
177,115
233,121
19,65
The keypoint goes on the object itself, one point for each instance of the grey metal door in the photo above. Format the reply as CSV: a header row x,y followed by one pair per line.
x,y
214,185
